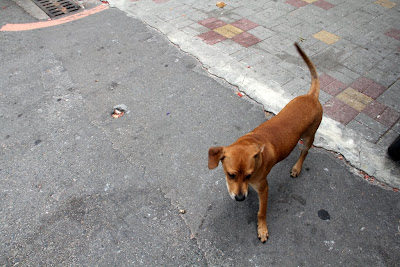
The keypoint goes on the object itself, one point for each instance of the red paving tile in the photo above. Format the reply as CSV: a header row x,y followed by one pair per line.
x,y
332,105
368,87
374,109
207,21
211,37
325,80
245,24
361,84
388,117
374,90
334,88
339,111
346,114
331,85
394,33
212,23
246,39
296,3
323,4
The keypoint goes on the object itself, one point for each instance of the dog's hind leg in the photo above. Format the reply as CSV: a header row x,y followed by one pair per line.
x,y
308,139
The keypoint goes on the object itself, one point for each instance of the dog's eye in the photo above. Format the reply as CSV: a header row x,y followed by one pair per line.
x,y
248,176
231,175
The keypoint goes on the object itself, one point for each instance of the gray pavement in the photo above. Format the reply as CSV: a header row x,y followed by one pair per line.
x,y
81,188
354,45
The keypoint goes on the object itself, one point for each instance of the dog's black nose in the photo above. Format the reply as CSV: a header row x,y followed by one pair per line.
x,y
240,197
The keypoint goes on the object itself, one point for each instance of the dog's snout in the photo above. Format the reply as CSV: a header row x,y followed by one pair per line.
x,y
240,197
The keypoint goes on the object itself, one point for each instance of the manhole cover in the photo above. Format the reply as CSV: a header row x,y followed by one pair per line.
x,y
55,8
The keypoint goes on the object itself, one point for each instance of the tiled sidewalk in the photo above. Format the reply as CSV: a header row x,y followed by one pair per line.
x,y
354,44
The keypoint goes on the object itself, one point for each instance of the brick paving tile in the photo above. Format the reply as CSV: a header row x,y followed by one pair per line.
x,y
388,117
331,85
386,3
211,37
374,90
212,23
394,33
325,80
368,87
339,111
245,24
326,37
323,4
354,99
296,3
246,39
361,84
358,96
374,109
206,21
228,31
334,88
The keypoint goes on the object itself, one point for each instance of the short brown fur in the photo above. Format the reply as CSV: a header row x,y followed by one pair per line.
x,y
249,160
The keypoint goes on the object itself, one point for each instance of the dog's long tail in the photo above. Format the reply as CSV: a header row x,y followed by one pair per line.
x,y
314,90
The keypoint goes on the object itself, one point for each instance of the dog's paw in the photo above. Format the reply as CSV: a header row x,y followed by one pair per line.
x,y
263,234
294,173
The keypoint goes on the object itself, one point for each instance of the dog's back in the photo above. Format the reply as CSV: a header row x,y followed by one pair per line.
x,y
301,115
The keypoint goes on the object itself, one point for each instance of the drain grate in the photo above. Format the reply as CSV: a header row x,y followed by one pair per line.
x,y
55,8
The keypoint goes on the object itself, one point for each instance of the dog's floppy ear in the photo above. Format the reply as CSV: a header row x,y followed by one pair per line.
x,y
214,155
260,150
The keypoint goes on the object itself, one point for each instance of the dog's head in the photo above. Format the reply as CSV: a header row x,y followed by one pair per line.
x,y
239,163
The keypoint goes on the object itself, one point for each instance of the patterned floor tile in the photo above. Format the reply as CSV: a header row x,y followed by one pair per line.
x,y
394,33
236,31
245,24
228,31
354,99
381,113
211,37
325,80
388,117
339,111
246,39
212,23
326,37
386,3
374,109
368,87
296,3
323,4
331,85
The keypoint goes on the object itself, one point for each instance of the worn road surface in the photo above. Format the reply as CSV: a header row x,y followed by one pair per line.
x,y
80,188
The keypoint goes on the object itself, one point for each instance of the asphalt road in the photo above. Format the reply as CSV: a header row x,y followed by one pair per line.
x,y
81,188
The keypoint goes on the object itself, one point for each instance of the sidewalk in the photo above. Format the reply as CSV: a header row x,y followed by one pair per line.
x,y
355,46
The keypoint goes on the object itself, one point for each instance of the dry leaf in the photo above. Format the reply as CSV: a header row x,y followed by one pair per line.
x,y
221,4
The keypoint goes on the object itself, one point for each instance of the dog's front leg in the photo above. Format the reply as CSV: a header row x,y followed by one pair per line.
x,y
262,191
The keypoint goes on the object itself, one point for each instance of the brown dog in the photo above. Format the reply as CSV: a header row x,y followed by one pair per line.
x,y
252,156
